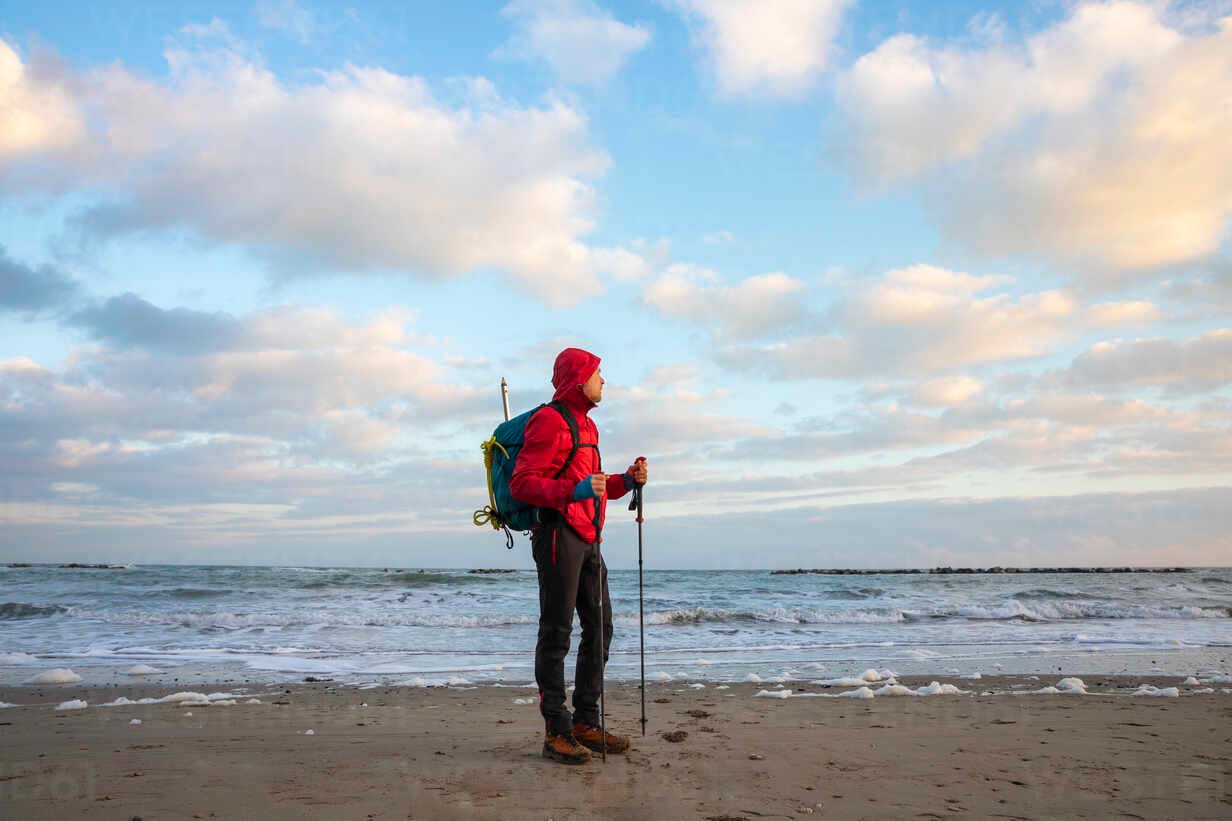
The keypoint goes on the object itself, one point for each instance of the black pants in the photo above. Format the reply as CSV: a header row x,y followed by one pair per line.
x,y
570,569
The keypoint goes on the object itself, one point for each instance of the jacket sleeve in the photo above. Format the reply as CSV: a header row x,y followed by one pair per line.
x,y
545,447
616,485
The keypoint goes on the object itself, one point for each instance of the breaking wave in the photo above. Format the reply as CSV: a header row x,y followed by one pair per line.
x,y
14,610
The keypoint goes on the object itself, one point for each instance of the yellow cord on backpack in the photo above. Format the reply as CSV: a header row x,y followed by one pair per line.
x,y
490,515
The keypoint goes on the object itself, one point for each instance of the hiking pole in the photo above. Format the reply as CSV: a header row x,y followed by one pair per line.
x,y
636,504
602,665
505,397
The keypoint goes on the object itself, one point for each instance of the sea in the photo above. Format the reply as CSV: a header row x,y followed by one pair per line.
x,y
425,627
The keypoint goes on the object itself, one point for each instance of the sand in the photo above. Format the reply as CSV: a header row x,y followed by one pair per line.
x,y
416,753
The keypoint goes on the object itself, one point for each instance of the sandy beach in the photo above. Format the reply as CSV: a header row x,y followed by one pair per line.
x,y
429,753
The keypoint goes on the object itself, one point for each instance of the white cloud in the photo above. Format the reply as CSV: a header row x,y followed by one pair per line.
x,y
1194,365
1104,140
753,306
673,425
39,111
361,170
757,47
289,17
918,320
287,394
682,374
1128,312
581,42
946,391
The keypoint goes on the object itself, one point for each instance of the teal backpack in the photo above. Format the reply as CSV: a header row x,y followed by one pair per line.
x,y
500,454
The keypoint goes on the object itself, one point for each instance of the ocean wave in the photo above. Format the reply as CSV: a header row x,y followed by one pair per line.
x,y
1043,593
1037,611
855,593
1082,609
14,610
195,592
221,620
322,578
781,615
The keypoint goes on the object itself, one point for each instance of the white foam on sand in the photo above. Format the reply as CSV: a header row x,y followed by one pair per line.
x,y
75,704
753,678
309,732
523,701
56,675
1152,690
420,681
660,676
936,688
890,688
697,685
894,690
1202,690
135,721
184,698
933,688
141,670
4,704
976,676
1191,682
869,676
1066,686
722,687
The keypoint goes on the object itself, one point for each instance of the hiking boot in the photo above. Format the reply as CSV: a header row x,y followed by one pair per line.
x,y
565,749
592,737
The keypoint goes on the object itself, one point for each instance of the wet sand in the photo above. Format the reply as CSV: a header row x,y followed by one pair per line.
x,y
414,753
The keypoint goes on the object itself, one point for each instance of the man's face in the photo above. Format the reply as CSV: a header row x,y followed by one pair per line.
x,y
593,387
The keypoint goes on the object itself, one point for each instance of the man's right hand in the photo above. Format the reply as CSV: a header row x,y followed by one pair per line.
x,y
593,487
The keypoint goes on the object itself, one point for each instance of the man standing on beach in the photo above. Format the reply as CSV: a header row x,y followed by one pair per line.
x,y
572,574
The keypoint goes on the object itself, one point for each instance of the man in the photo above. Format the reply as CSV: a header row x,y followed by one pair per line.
x,y
566,550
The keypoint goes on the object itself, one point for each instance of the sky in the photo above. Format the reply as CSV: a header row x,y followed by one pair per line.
x,y
874,284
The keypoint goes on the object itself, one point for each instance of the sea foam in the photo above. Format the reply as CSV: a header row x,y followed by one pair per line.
x,y
140,670
1152,690
56,675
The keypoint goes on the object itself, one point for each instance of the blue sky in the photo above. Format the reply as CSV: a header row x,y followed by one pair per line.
x,y
898,274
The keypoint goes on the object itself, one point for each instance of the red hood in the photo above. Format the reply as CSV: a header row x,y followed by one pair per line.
x,y
573,367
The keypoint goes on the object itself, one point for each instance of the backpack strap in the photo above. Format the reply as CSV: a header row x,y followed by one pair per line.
x,y
565,413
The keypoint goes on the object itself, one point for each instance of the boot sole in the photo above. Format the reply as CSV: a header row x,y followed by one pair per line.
x,y
563,758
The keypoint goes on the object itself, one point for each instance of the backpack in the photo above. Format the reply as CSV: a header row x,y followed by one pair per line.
x,y
500,454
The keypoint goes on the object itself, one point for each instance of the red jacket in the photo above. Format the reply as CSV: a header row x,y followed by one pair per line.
x,y
547,443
